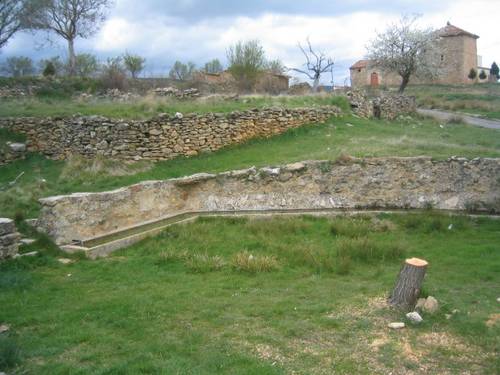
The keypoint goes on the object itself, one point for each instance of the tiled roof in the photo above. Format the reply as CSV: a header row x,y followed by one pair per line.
x,y
360,64
451,30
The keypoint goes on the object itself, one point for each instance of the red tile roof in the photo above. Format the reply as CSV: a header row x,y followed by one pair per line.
x,y
451,30
360,64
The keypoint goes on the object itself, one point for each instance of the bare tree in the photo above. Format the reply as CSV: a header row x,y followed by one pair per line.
x,y
70,19
405,50
316,64
12,14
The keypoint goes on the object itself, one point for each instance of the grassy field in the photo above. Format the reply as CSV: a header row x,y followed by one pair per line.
x,y
481,99
341,136
277,296
147,107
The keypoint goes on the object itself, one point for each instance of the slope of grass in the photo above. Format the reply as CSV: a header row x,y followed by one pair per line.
x,y
275,296
349,135
482,99
150,106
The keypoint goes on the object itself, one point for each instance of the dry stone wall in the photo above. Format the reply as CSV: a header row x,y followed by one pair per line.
x,y
387,107
453,184
9,238
160,138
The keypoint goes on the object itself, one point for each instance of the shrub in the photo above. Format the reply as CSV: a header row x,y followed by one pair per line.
x,y
113,74
49,70
482,75
202,263
246,262
472,74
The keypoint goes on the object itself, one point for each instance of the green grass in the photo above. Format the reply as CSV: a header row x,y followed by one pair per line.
x,y
177,304
481,99
341,136
149,106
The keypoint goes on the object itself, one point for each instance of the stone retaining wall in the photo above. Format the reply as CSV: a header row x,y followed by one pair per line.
x,y
160,138
9,238
453,184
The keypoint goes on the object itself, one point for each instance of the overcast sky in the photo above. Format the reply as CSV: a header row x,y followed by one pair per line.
x,y
198,30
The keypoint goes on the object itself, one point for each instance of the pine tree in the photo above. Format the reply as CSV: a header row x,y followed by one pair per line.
x,y
50,70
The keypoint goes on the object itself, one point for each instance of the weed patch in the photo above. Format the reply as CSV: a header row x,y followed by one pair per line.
x,y
246,262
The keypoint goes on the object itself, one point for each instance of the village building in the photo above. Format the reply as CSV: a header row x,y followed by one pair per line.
x,y
457,56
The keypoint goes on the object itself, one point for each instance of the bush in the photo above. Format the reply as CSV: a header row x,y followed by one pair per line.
x,y
246,262
472,74
482,75
113,74
49,70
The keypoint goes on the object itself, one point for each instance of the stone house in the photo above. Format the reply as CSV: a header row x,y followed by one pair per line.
x,y
457,56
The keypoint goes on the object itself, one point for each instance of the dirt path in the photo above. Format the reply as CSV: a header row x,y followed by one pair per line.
x,y
471,120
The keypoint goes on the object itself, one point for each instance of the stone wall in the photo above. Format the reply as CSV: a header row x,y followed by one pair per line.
x,y
12,151
387,107
453,184
9,238
160,138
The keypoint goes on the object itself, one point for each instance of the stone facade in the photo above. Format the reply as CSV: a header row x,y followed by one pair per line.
x,y
457,56
453,184
9,238
160,138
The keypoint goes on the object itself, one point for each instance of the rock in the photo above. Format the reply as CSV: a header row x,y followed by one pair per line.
x,y
179,115
414,317
30,254
7,226
65,260
27,241
420,304
4,328
396,325
431,305
17,147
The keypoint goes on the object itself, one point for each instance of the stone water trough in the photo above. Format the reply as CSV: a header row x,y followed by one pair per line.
x,y
98,223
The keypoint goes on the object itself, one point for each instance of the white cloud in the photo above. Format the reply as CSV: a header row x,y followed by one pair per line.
x,y
163,39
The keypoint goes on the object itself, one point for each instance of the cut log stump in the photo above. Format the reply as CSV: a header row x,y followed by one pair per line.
x,y
409,283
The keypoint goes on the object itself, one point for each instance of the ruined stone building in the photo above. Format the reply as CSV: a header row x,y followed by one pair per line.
x,y
457,56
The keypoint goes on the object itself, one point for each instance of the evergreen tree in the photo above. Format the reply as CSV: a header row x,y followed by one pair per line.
x,y
472,74
482,75
495,71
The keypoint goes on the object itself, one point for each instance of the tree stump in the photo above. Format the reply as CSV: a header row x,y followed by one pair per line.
x,y
409,283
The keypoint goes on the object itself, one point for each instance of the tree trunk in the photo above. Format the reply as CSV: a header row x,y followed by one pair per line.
x,y
403,85
315,84
72,57
409,283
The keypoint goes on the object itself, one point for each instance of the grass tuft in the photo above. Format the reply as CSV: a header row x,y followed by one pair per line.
x,y
10,353
203,263
246,262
